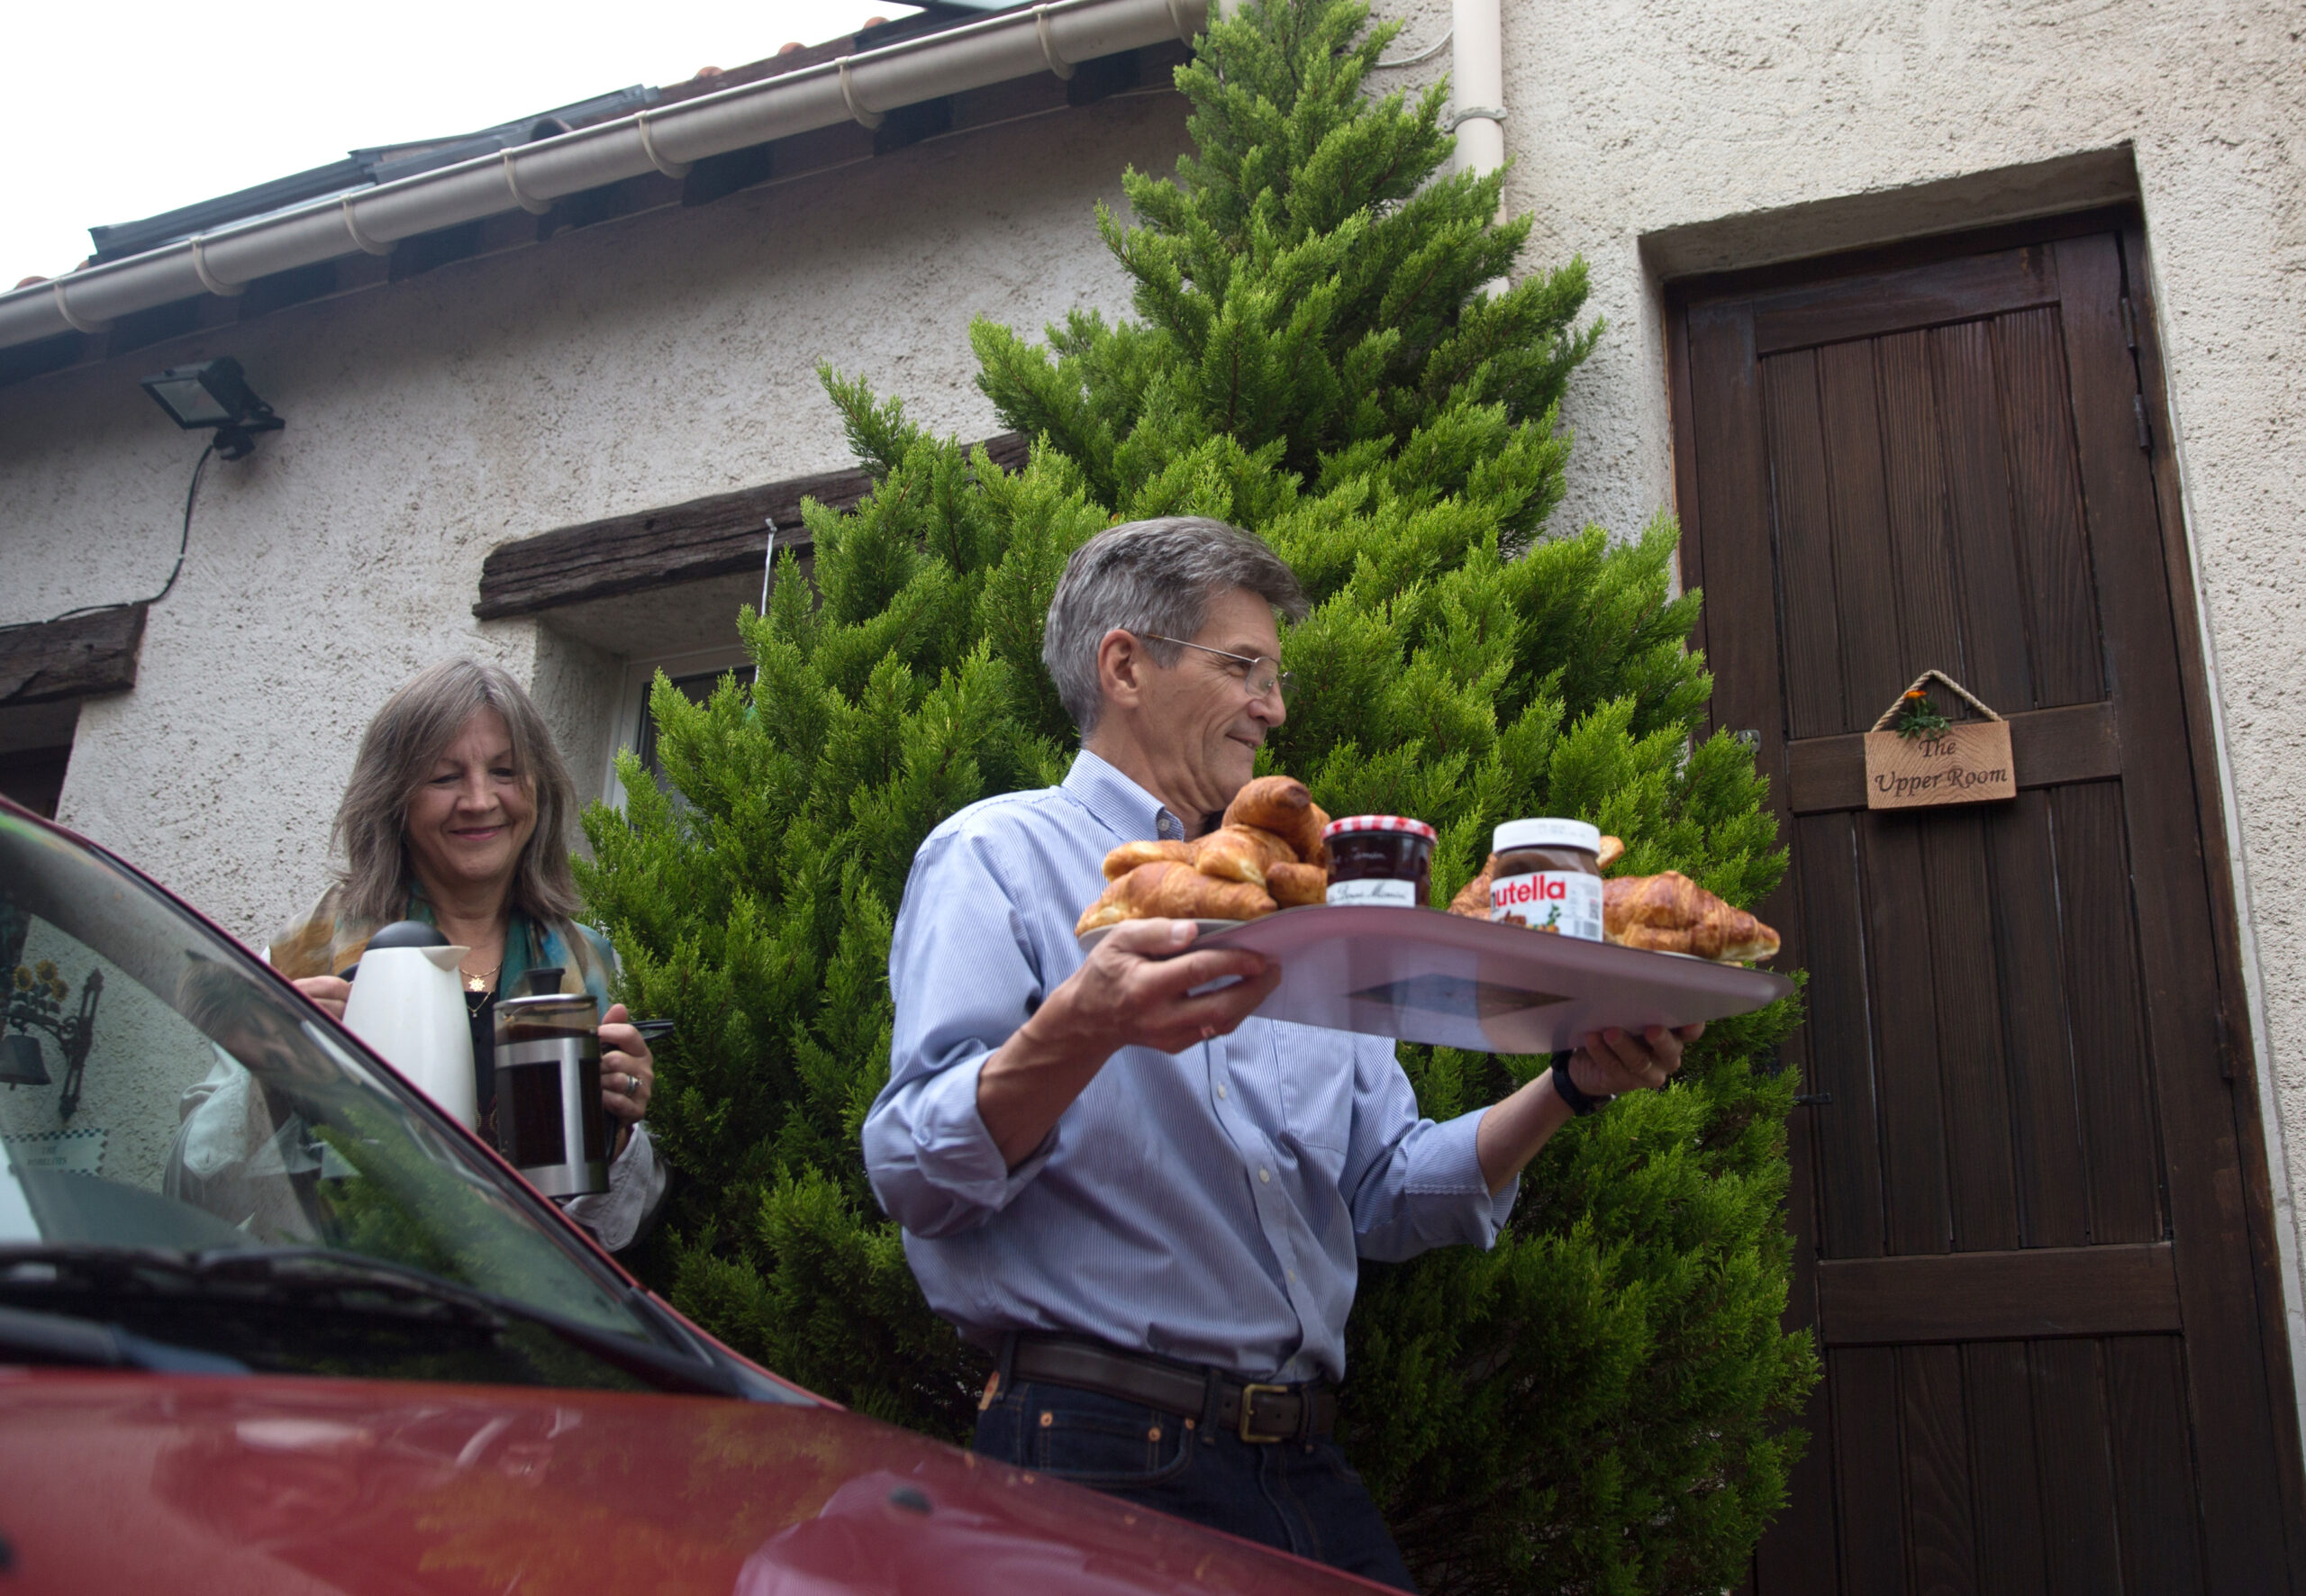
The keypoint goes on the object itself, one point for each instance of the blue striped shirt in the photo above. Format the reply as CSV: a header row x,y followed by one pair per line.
x,y
1209,1205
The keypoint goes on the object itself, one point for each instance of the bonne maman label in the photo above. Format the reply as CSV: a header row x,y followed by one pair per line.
x,y
1966,764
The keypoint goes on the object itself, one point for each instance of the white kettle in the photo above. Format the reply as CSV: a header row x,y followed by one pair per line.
x,y
408,1004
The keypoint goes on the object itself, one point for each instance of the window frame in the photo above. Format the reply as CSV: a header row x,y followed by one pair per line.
x,y
632,701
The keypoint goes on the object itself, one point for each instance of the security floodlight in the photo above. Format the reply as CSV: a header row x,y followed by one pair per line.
x,y
214,395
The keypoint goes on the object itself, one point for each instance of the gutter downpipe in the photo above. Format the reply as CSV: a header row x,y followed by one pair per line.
x,y
863,87
1477,81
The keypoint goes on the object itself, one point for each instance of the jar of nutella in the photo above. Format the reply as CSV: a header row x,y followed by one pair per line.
x,y
1380,859
1548,877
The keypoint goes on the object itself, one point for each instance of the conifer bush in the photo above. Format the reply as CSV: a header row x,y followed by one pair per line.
x,y
1598,1403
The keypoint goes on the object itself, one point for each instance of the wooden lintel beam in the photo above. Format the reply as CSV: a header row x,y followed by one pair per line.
x,y
73,659
717,536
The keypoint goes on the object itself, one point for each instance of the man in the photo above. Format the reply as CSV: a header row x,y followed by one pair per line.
x,y
1146,1203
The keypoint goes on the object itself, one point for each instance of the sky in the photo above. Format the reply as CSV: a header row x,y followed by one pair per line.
x,y
138,108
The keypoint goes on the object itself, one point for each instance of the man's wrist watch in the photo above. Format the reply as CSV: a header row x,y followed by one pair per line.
x,y
1580,1100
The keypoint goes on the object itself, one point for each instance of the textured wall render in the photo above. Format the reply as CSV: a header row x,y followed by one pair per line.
x,y
636,364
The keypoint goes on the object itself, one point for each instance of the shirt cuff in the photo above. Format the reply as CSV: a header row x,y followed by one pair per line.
x,y
957,1153
637,1181
1453,1168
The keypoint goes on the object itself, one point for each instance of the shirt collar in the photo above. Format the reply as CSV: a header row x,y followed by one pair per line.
x,y
1133,813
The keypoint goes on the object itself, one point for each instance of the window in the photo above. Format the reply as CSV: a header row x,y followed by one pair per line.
x,y
694,676
35,749
167,1095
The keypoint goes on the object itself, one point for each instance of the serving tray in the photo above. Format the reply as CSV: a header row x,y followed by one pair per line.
x,y
1422,976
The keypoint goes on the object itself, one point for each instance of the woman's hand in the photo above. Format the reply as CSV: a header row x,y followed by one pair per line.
x,y
327,992
628,1069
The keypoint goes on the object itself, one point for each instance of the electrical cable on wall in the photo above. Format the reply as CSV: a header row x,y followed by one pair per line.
x,y
1415,56
184,542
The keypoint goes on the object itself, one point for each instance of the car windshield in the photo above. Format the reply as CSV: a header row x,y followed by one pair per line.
x,y
195,1159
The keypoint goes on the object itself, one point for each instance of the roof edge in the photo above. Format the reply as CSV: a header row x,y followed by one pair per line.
x,y
864,87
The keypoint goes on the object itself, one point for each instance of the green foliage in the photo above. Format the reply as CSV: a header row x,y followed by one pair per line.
x,y
1597,1402
1918,716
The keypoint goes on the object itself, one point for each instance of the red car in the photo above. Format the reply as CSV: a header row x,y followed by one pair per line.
x,y
271,1322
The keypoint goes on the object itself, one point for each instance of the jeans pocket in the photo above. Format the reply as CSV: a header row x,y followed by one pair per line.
x,y
1098,1441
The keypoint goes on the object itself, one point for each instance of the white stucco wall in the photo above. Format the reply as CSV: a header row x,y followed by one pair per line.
x,y
628,366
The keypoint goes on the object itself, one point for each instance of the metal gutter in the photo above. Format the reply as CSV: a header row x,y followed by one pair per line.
x,y
863,87
361,168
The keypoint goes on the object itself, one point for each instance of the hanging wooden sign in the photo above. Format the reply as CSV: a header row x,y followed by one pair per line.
x,y
1916,757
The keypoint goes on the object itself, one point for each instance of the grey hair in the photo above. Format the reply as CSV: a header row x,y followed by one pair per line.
x,y
398,751
1146,576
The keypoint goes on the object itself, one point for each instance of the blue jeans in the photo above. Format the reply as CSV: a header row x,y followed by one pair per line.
x,y
1297,1496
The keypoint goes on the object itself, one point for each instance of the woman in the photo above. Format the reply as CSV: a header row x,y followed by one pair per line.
x,y
457,813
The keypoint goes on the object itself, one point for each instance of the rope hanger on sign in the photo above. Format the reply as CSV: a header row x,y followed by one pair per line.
x,y
1964,694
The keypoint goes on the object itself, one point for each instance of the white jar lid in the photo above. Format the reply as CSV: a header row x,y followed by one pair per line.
x,y
1545,833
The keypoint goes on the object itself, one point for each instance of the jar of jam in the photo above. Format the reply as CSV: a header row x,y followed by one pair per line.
x,y
1548,877
1380,859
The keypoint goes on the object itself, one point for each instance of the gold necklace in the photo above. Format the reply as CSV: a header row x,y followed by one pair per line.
x,y
482,981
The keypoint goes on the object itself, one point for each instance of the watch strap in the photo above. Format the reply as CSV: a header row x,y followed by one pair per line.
x,y
1581,1101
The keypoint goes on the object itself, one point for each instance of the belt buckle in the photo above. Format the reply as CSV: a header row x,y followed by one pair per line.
x,y
1249,1409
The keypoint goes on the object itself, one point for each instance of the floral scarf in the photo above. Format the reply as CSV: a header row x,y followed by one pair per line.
x,y
326,944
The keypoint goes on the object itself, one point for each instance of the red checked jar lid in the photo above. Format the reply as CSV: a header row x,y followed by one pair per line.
x,y
1380,860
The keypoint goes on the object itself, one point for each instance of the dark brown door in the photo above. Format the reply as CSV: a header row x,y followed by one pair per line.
x,y
2029,1190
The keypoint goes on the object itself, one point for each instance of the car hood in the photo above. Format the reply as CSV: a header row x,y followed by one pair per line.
x,y
123,1482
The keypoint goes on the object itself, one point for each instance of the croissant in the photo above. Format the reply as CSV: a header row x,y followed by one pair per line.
x,y
1167,890
1296,886
1671,914
1129,856
1473,898
1240,852
1281,804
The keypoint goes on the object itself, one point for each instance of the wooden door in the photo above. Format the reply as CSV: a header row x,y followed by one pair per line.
x,y
2030,1185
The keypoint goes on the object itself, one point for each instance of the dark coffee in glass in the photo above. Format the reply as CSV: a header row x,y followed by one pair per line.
x,y
549,1123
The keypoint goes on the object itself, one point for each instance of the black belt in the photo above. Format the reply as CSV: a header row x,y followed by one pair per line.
x,y
1256,1411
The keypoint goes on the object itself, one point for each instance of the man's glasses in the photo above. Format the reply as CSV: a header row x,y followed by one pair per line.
x,y
1261,675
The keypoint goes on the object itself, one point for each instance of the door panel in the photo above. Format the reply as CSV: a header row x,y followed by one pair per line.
x,y
2025,1229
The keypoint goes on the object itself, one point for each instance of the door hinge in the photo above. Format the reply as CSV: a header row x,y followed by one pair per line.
x,y
2225,1045
1813,1100
2145,433
2130,323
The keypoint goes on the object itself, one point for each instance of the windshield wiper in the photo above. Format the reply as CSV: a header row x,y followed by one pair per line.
x,y
309,1274
35,1338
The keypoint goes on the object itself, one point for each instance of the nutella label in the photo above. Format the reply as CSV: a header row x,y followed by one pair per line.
x,y
1377,889
1567,902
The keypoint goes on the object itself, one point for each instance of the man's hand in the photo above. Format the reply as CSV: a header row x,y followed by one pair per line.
x,y
1612,1061
1605,1063
1130,993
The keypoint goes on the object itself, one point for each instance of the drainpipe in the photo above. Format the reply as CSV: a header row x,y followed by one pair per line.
x,y
1478,80
863,87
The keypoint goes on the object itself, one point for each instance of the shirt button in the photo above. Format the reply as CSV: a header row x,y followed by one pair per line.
x,y
1293,1277
1221,1089
1264,1174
